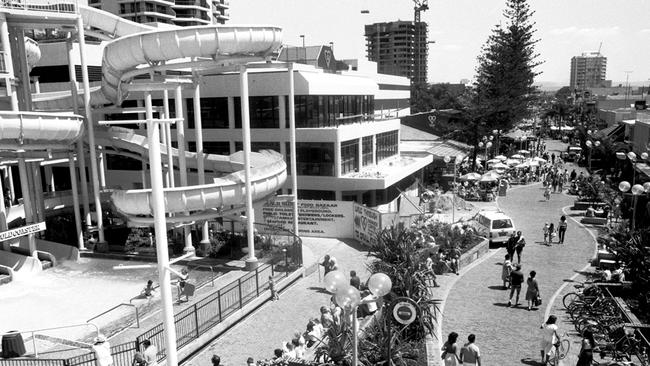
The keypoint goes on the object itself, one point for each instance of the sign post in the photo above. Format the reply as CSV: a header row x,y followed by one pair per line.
x,y
22,231
404,311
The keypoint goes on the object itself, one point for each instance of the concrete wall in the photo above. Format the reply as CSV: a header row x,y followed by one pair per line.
x,y
61,252
19,263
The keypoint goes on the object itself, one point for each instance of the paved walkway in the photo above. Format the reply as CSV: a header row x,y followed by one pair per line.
x,y
478,304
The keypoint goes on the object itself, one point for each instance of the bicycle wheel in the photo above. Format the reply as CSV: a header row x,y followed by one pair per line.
x,y
563,350
553,359
569,298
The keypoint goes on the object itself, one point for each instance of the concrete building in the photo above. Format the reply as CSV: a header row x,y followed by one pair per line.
x,y
399,48
589,71
178,12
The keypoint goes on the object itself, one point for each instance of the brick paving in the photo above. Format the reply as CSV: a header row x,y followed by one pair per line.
x,y
264,330
477,303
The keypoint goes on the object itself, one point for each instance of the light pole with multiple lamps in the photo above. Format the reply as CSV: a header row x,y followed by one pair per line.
x,y
637,190
591,145
498,134
349,298
447,160
487,144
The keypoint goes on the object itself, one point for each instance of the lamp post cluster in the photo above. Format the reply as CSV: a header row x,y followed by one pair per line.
x,y
498,134
486,143
349,298
447,160
636,191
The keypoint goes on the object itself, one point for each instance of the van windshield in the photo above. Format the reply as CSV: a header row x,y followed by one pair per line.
x,y
502,224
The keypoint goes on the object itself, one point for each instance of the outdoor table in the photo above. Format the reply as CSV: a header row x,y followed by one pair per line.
x,y
12,345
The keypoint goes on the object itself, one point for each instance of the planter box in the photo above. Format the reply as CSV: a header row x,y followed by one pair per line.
x,y
475,253
583,205
594,220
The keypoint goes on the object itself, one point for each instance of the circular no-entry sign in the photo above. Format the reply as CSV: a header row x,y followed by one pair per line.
x,y
404,312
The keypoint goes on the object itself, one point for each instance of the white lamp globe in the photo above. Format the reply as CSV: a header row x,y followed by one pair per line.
x,y
646,186
347,296
334,281
644,156
480,144
631,155
489,145
380,284
637,189
447,159
597,143
588,143
624,186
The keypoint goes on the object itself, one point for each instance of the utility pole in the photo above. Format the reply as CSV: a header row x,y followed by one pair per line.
x,y
627,85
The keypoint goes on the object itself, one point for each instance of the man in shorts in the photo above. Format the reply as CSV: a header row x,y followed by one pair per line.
x,y
516,279
470,354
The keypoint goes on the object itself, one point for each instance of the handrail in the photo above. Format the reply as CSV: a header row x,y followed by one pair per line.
x,y
53,328
189,266
137,314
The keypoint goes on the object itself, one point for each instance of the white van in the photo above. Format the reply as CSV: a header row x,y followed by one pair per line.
x,y
495,226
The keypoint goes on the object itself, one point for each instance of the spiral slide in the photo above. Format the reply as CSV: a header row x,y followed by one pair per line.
x,y
129,55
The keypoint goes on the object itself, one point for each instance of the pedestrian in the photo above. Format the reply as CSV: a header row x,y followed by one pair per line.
x,y
326,317
250,361
430,270
182,281
545,232
355,281
148,290
573,175
150,353
532,292
216,360
470,354
506,269
553,158
274,291
327,266
547,192
455,259
561,229
510,245
138,360
551,233
586,356
450,350
102,350
519,246
549,337
516,279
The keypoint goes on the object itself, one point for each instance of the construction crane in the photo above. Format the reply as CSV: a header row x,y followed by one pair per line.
x,y
420,6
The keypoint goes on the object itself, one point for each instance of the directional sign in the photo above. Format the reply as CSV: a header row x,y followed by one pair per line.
x,y
404,312
22,231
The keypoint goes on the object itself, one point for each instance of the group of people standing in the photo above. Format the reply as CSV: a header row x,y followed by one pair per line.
x,y
549,231
468,355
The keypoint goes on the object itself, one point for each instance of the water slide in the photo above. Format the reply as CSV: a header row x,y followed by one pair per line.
x,y
128,54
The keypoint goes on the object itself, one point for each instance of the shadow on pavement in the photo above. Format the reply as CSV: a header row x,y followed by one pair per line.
x,y
497,287
529,361
320,290
501,304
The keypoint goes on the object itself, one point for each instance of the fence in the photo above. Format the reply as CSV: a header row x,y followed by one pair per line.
x,y
56,6
194,321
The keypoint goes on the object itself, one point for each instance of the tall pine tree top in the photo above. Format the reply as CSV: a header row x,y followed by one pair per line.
x,y
504,90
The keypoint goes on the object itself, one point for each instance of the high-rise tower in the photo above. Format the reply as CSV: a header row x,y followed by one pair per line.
x,y
588,71
178,12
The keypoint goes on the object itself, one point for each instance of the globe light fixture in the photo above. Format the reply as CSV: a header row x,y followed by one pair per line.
x,y
644,156
646,187
334,281
624,186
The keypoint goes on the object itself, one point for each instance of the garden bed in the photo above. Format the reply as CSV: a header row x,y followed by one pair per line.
x,y
579,205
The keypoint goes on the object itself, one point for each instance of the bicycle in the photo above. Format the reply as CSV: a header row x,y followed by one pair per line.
x,y
559,350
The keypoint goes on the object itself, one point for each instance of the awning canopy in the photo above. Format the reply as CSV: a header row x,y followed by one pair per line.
x,y
320,83
611,131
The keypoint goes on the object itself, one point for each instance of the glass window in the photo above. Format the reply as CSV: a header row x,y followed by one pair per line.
x,y
314,158
216,147
386,145
349,156
117,162
214,112
264,112
310,194
501,224
259,145
366,153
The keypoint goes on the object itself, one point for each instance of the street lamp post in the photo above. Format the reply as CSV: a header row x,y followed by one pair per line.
x,y
497,133
487,145
447,160
637,190
591,145
349,298
304,50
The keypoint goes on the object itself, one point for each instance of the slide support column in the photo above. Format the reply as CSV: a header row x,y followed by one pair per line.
x,y
292,143
75,202
182,165
198,129
251,261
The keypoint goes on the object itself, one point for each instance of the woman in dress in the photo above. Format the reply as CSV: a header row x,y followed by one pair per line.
x,y
586,355
549,337
551,233
505,271
532,292
450,350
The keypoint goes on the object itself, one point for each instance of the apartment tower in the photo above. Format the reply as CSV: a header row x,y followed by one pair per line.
x,y
177,12
588,71
399,48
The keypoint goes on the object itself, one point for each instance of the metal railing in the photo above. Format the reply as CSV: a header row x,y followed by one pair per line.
x,y
56,6
33,333
137,315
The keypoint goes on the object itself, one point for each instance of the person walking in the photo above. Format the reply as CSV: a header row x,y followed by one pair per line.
x,y
470,355
450,351
516,279
547,192
327,264
355,281
532,291
561,229
273,289
588,344
545,232
506,269
510,245
430,270
549,337
102,350
551,233
519,246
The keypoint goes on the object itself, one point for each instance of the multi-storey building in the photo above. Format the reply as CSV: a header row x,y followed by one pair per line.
x,y
399,48
178,12
588,71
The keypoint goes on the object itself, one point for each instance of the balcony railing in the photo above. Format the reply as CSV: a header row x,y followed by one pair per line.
x,y
56,6
3,62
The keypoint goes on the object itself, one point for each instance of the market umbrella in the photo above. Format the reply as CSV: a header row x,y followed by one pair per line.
x,y
488,178
523,165
499,166
500,157
494,161
538,159
513,162
517,156
534,163
524,152
471,176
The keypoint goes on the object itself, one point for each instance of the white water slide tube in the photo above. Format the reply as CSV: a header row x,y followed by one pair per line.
x,y
36,130
127,53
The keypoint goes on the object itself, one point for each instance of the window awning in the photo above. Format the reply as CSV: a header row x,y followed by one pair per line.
x,y
319,83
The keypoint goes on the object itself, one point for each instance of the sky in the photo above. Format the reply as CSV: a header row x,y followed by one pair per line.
x,y
565,28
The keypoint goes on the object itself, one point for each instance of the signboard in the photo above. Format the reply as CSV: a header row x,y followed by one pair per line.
x,y
367,223
315,218
22,231
405,312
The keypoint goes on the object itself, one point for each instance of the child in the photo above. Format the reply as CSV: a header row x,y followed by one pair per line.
x,y
274,292
545,232
547,192
505,271
148,290
551,233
